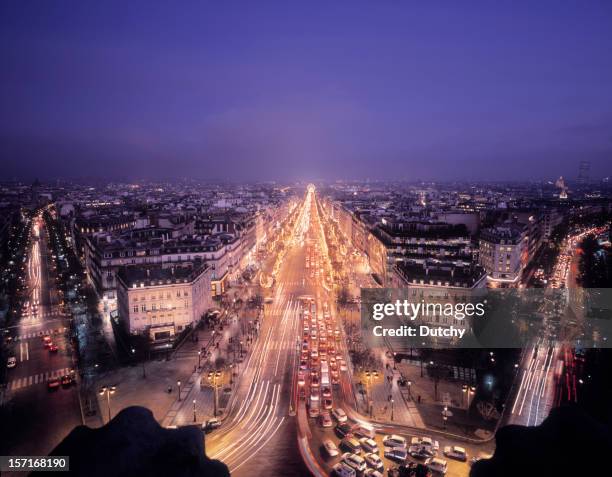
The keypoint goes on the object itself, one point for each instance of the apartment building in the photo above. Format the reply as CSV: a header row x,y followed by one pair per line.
x,y
162,301
504,252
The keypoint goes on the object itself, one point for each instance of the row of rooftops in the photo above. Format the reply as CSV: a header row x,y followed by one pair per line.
x,y
134,277
159,246
464,275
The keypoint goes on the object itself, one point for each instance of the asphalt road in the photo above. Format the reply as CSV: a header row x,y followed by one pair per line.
x,y
259,433
38,419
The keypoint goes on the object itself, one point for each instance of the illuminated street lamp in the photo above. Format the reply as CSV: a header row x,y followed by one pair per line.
x,y
178,383
213,377
445,415
108,390
470,395
392,402
199,359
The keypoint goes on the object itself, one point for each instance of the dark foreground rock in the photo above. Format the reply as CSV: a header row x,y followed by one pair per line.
x,y
569,442
134,444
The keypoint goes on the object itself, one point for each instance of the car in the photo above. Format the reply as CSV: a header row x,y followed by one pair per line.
x,y
11,362
301,378
344,470
419,451
351,444
47,339
53,348
396,453
67,380
427,442
326,392
436,465
211,424
53,384
355,461
374,461
372,473
481,456
455,452
325,419
364,430
327,403
339,415
331,449
395,441
343,366
369,445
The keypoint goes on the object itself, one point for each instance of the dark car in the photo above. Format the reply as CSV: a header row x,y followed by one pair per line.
x,y
67,380
53,384
344,429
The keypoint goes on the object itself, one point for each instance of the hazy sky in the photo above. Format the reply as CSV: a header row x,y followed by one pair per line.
x,y
283,90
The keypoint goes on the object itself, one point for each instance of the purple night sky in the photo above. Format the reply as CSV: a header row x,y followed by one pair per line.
x,y
286,90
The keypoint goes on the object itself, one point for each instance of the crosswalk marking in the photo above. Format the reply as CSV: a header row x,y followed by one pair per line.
x,y
38,334
24,351
36,379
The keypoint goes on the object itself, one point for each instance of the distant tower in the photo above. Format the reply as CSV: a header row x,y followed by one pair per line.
x,y
583,172
563,188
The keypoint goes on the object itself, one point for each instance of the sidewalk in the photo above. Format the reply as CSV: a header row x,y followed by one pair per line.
x,y
197,394
381,391
421,395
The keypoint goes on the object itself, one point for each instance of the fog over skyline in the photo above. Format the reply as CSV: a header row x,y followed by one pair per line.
x,y
305,90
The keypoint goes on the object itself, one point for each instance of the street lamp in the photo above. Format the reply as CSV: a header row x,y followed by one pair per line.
x,y
213,377
409,390
178,383
392,401
445,415
470,394
199,359
108,390
194,410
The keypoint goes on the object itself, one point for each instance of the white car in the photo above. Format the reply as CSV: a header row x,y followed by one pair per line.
x,y
455,452
437,465
339,415
343,470
427,442
11,362
330,448
395,441
374,461
372,473
364,430
368,445
355,461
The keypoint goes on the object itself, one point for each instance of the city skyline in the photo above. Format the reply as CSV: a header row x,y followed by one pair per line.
x,y
305,238
355,91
